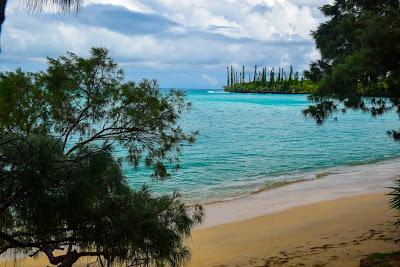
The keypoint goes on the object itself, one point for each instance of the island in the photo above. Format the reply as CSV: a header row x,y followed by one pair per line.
x,y
261,82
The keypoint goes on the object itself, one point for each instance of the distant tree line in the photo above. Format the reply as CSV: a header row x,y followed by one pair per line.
x,y
267,81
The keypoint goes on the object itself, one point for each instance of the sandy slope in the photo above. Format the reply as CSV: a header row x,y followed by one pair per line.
x,y
329,233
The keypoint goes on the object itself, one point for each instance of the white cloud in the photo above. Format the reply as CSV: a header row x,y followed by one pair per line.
x,y
212,80
132,5
195,37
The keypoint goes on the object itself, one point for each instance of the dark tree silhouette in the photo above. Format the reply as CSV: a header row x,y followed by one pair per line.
x,y
61,185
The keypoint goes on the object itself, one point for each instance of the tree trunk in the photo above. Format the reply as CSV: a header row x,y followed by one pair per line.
x,y
2,11
69,259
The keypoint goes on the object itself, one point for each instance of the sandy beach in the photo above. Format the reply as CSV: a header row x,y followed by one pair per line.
x,y
329,233
332,221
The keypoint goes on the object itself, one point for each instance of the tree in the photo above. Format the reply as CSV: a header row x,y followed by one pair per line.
x,y
232,81
316,70
279,75
360,62
360,59
2,12
272,78
243,75
227,75
290,75
61,185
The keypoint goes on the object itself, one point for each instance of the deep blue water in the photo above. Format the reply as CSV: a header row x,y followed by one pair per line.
x,y
250,141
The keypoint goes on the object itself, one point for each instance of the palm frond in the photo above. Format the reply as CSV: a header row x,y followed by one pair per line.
x,y
395,198
64,6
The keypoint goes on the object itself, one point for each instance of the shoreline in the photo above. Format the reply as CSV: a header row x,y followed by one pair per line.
x,y
301,177
264,92
368,178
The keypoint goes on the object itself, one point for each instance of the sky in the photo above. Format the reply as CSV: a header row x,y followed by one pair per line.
x,y
181,43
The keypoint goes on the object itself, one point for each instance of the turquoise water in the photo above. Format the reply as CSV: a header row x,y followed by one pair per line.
x,y
248,142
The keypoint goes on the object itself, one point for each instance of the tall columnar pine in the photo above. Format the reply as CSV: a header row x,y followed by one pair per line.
x,y
243,75
279,75
227,76
232,83
271,78
236,77
265,76
255,73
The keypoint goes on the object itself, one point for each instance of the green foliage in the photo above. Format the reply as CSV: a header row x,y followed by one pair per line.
x,y
60,184
282,84
360,63
381,260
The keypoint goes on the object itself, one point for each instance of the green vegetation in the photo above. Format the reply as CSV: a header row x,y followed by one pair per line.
x,y
381,260
360,64
264,82
62,190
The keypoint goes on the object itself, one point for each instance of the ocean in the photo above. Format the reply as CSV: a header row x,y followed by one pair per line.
x,y
254,142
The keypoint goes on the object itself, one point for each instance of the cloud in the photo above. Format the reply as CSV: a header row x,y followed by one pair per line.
x,y
181,43
212,80
121,19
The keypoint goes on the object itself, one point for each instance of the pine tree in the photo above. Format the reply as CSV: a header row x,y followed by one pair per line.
x,y
279,75
236,77
255,73
227,75
265,76
271,78
243,74
232,83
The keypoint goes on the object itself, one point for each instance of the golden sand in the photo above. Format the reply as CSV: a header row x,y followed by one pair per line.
x,y
330,233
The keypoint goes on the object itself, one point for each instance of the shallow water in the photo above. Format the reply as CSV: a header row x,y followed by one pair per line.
x,y
249,142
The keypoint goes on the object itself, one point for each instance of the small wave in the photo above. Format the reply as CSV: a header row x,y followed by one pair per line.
x,y
269,186
305,177
217,92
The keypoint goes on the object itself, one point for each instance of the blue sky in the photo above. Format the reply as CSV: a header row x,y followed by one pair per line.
x,y
181,43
